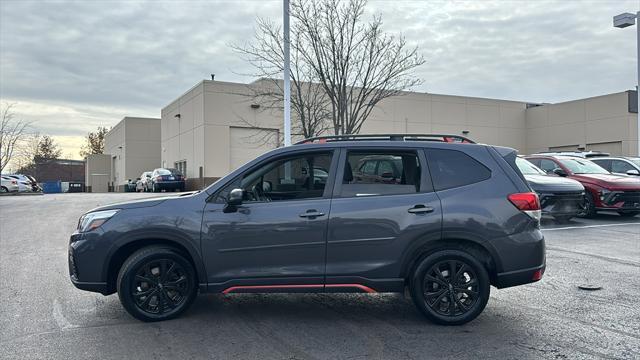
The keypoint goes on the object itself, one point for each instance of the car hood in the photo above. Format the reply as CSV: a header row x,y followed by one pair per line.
x,y
609,181
548,183
135,204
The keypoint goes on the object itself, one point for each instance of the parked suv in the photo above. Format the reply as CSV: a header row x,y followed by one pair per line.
x,y
461,218
620,165
560,197
604,190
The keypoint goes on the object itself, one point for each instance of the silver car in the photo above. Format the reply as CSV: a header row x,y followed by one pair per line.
x,y
9,185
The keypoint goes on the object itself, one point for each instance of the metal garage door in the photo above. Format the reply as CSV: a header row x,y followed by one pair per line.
x,y
248,143
613,148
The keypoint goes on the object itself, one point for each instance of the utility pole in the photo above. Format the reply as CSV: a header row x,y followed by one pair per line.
x,y
287,77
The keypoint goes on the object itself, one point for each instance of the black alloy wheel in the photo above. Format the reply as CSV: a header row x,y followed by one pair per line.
x,y
589,208
160,286
450,287
156,283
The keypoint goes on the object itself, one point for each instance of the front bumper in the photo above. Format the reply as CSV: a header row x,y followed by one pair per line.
x,y
620,200
562,203
85,261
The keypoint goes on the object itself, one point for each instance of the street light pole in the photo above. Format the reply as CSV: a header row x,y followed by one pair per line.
x,y
287,75
622,21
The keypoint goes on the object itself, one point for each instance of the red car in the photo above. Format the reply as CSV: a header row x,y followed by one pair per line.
x,y
604,190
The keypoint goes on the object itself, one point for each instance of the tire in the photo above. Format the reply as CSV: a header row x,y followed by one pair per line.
x,y
155,188
589,207
170,288
475,295
628,213
562,219
4,189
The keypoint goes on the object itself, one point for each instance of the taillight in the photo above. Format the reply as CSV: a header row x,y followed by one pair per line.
x,y
528,203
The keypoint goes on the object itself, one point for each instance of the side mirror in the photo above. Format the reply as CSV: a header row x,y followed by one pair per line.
x,y
633,172
559,172
235,197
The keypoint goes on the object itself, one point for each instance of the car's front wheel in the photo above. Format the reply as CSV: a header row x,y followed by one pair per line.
x,y
4,189
589,209
156,283
450,287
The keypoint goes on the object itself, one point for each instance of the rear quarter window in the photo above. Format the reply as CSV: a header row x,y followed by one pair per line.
x,y
452,168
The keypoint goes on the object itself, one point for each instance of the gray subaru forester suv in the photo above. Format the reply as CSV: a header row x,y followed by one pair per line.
x,y
437,214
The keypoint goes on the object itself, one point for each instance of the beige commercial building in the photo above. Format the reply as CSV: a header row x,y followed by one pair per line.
x,y
97,173
215,127
134,147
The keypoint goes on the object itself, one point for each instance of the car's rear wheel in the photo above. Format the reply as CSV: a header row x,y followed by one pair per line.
x,y
589,209
628,213
155,188
156,283
450,287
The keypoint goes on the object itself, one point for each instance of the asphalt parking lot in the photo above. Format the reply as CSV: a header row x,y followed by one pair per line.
x,y
43,316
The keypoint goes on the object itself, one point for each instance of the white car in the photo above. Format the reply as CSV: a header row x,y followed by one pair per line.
x,y
620,165
24,183
9,185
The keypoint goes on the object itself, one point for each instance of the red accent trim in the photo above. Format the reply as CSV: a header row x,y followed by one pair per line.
x,y
357,286
257,287
298,286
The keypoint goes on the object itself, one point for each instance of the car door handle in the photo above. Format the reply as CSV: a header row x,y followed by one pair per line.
x,y
420,209
311,214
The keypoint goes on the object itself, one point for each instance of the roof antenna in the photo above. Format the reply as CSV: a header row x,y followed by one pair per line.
x,y
213,77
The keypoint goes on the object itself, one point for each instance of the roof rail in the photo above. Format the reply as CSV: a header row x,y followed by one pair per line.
x,y
574,153
388,137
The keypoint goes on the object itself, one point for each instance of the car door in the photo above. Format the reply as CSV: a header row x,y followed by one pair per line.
x,y
277,236
374,225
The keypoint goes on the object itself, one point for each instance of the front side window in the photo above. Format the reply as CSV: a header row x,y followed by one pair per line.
x,y
619,166
452,168
369,173
291,178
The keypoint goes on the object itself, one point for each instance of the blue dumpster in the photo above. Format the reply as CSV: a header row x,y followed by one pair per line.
x,y
52,187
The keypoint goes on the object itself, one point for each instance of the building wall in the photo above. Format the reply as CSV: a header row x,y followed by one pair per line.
x,y
134,147
97,172
213,130
598,123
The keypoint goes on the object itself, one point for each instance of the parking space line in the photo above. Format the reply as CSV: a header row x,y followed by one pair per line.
x,y
589,226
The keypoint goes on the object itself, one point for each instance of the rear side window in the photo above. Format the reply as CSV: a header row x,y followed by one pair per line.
x,y
385,172
451,169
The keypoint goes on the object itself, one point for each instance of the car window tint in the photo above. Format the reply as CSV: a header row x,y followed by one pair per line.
x,y
547,165
392,173
620,166
451,169
291,178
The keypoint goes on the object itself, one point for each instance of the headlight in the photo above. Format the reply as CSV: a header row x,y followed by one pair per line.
x,y
93,220
603,193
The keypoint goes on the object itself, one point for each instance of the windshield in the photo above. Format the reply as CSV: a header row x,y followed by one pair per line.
x,y
581,166
636,161
527,168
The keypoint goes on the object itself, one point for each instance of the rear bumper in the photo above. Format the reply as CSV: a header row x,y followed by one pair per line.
x,y
99,287
170,185
519,277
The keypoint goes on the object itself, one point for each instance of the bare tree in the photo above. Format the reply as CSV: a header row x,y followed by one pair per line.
x,y
12,132
357,64
309,103
26,152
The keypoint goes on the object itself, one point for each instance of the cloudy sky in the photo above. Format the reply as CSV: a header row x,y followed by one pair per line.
x,y
74,66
